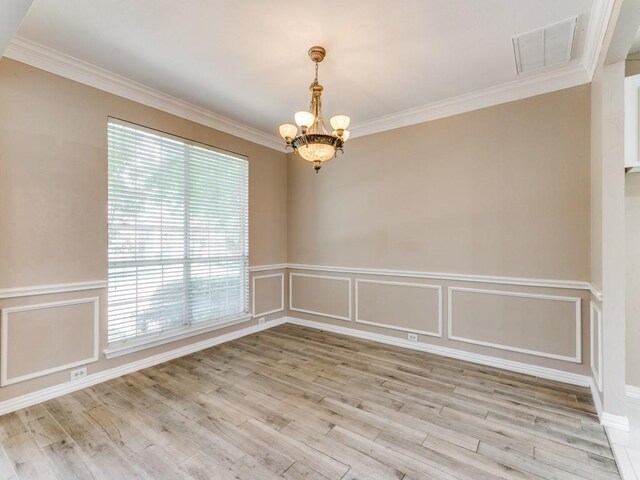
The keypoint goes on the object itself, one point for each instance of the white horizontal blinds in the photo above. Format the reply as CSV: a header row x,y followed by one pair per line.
x,y
178,233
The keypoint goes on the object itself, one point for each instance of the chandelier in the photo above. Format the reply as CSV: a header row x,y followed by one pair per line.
x,y
313,143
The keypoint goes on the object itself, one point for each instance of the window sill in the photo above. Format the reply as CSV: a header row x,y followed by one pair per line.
x,y
127,347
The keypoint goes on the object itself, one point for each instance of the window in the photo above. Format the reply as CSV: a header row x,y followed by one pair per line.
x,y
178,234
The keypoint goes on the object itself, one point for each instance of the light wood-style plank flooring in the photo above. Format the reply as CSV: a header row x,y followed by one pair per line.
x,y
298,403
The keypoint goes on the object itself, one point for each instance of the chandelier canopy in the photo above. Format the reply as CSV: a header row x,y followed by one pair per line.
x,y
313,143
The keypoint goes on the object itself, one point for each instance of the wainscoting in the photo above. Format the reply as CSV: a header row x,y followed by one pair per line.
x,y
535,321
408,309
267,294
404,306
43,338
541,325
291,402
48,330
322,295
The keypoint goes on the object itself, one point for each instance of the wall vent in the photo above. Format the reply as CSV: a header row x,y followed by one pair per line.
x,y
550,45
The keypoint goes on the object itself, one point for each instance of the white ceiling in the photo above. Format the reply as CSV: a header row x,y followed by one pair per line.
x,y
12,13
247,59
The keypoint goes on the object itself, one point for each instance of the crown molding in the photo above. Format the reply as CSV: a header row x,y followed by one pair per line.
x,y
575,74
598,23
66,66
570,76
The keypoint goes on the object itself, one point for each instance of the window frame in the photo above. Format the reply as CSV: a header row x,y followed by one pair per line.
x,y
136,343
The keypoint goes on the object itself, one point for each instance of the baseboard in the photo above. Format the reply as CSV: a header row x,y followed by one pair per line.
x,y
632,391
595,393
29,399
542,372
619,422
606,419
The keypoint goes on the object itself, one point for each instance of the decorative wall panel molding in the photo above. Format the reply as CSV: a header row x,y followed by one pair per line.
x,y
437,314
253,294
458,277
6,340
53,288
575,317
292,297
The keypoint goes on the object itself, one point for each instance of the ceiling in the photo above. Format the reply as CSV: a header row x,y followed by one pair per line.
x,y
246,60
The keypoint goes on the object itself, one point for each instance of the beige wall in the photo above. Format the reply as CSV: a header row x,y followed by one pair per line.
x,y
268,293
498,191
502,191
326,295
403,305
53,178
632,310
53,208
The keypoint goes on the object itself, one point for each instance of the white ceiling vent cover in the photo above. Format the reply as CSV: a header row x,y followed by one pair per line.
x,y
551,45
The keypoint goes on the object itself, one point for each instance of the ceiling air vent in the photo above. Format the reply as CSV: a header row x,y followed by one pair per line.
x,y
551,45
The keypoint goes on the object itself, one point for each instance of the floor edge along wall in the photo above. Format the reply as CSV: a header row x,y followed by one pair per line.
x,y
33,398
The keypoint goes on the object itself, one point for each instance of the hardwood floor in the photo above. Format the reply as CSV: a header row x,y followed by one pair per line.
x,y
298,403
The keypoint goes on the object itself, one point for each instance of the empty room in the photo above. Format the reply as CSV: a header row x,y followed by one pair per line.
x,y
361,240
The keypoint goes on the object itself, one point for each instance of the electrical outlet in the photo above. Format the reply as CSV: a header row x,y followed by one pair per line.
x,y
261,321
413,337
78,373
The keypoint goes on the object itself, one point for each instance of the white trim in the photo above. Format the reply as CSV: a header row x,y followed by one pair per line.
x,y
50,60
459,277
33,398
265,268
598,23
528,282
53,288
56,62
570,76
595,292
608,420
595,315
596,398
312,312
45,394
619,422
631,121
253,294
394,327
542,372
578,321
4,349
137,344
632,391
